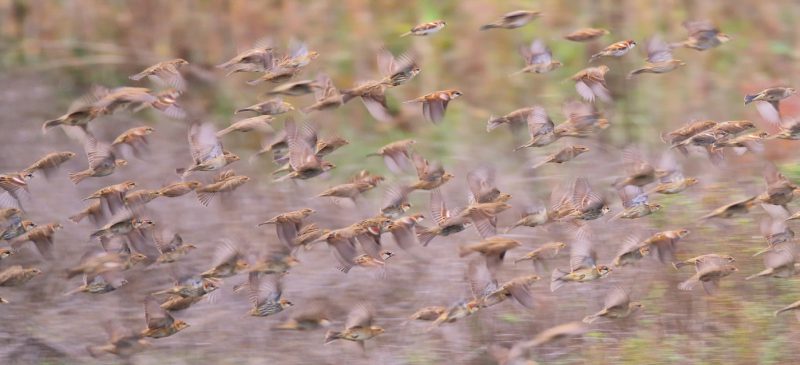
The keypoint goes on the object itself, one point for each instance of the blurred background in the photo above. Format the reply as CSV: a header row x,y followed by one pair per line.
x,y
52,52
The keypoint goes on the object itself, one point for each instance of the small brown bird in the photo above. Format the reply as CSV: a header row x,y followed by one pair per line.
x,y
136,138
482,187
305,321
177,189
459,310
288,225
16,275
305,163
571,329
396,71
540,129
5,253
308,235
265,295
49,162
538,58
427,314
709,273
446,224
224,183
618,49
257,59
563,155
779,262
122,342
635,203
492,249
544,252
327,96
261,123
631,251
348,191
42,238
396,155
430,176
275,75
207,151
730,210
299,56
590,83
100,284
81,112
780,190
403,231
434,104
640,172
373,95
671,179
583,266
275,106
791,307
296,88
790,130
94,211
774,227
165,73
513,20
682,134
14,184
113,195
160,323
173,250
659,58
663,244
102,161
515,118
139,198
228,261
121,227
769,102
616,305
704,260
395,201
702,36
358,328
580,203
517,288
426,28
752,142
586,34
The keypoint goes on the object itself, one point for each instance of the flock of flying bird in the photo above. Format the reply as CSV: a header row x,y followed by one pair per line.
x,y
127,239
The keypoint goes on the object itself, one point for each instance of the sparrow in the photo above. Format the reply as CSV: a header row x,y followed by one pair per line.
x,y
261,123
42,238
583,266
516,117
139,198
517,288
590,83
640,172
586,34
265,295
305,321
702,36
540,128
136,138
493,249
308,235
358,328
566,330
102,161
275,74
190,287
207,151
5,253
459,310
13,184
616,305
121,227
177,189
348,191
327,96
429,175
732,209
427,314
302,158
618,49
670,177
275,106
94,211
274,262
164,73
514,19
97,261
743,143
482,187
791,307
774,227
779,262
709,273
546,251
99,284
113,196
299,56
538,58
326,146
17,230
395,201
434,104
256,59
16,275
224,183
49,162
373,95
563,155
631,251
160,323
635,203
659,58
228,261
122,342
663,244
396,71
296,88
287,225
680,135
769,102
790,130
445,223
81,112
704,260
425,28
396,155
780,190
580,203
173,250
403,231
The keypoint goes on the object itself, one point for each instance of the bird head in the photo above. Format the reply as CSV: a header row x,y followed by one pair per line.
x,y
285,303
179,325
120,162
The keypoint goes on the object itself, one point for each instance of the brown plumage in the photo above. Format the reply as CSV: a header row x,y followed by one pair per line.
x,y
435,104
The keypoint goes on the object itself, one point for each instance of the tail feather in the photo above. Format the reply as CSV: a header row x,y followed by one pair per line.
x,y
332,336
636,72
50,124
678,265
493,123
749,98
77,218
425,235
405,34
205,198
555,279
488,26
590,318
255,81
77,177
138,76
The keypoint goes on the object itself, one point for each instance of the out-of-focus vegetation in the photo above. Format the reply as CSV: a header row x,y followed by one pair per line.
x,y
51,52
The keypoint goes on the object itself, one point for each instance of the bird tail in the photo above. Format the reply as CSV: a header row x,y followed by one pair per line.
x,y
762,251
425,235
138,76
373,154
687,285
749,98
539,164
73,291
242,110
762,273
95,351
494,123
224,131
487,26
594,57
463,251
255,81
556,281
405,34
50,124
77,218
332,336
677,44
205,198
77,177
636,72
97,234
678,265
590,318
